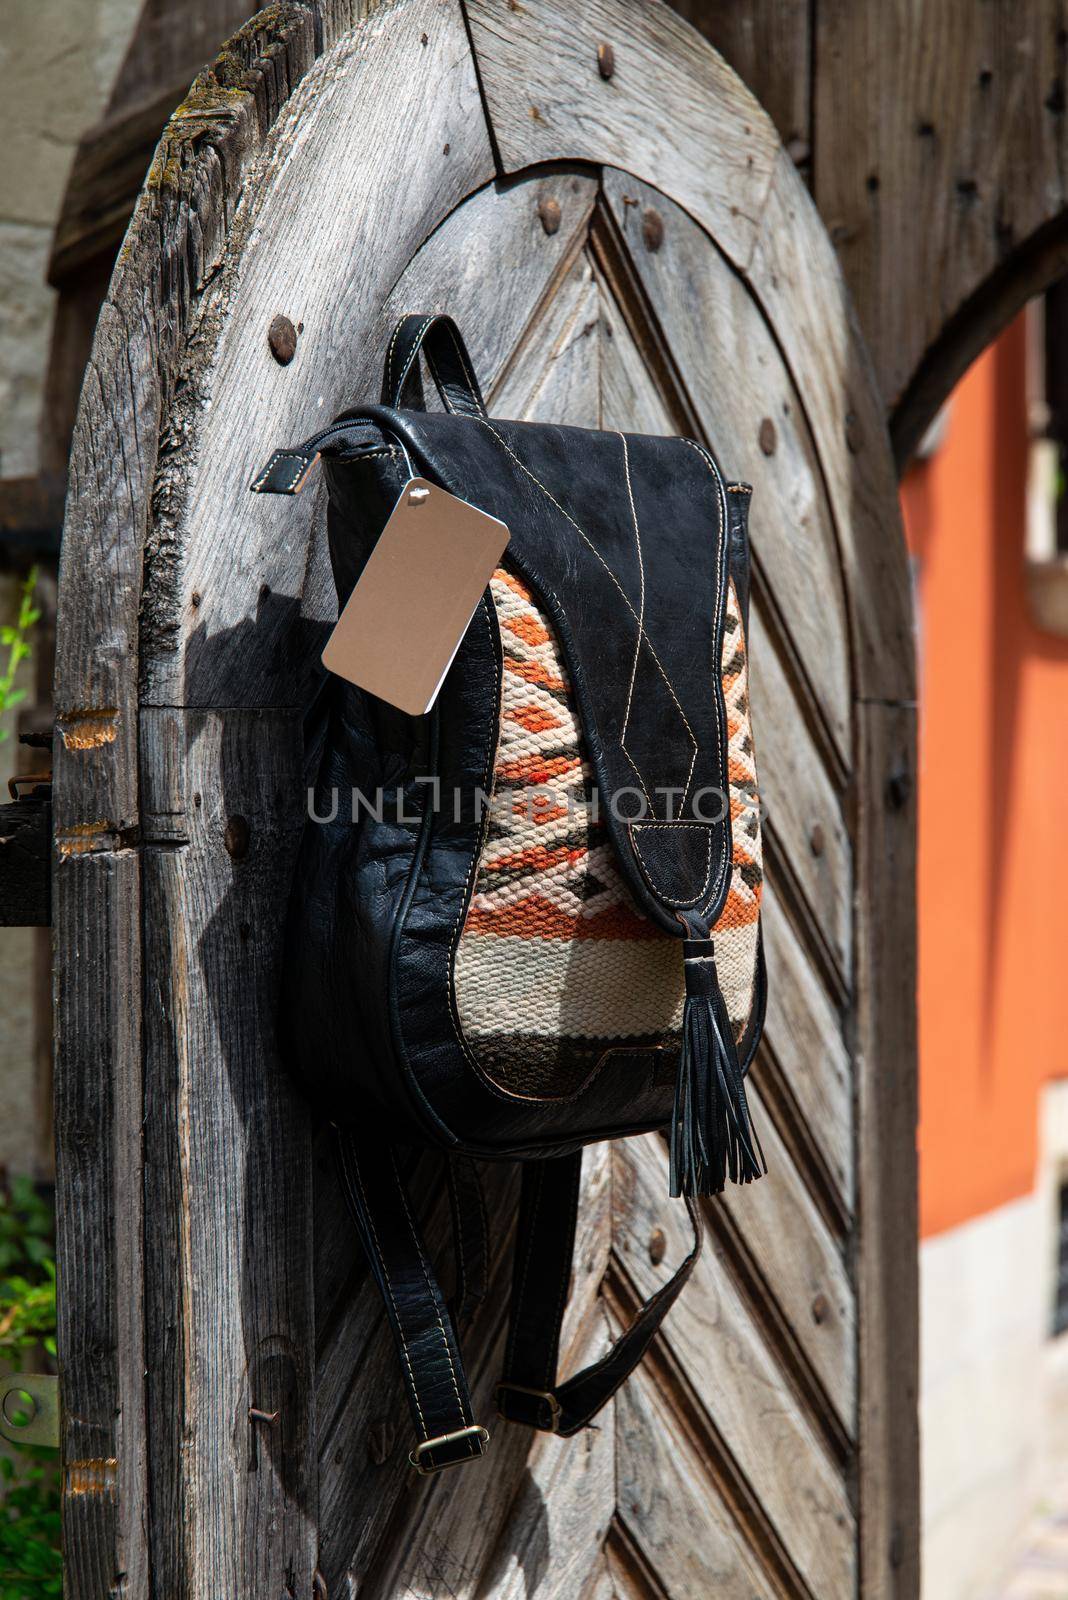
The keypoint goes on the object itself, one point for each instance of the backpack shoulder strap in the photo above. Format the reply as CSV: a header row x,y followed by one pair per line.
x,y
434,1378
422,1327
528,1392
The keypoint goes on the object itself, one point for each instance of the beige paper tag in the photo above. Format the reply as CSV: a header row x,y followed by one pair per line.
x,y
404,620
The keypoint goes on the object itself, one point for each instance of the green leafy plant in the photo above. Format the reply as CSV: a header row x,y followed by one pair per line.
x,y
30,1562
15,637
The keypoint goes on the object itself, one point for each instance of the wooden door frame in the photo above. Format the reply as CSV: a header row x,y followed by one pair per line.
x,y
186,226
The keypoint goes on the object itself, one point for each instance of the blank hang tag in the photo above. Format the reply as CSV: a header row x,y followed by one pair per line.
x,y
403,623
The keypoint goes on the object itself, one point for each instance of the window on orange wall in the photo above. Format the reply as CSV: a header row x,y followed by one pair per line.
x,y
1060,1291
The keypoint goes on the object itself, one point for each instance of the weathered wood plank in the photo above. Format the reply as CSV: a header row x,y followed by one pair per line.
x,y
754,419
630,398
780,1236
502,265
536,1525
228,1163
804,1034
769,46
393,110
959,165
802,809
554,374
367,1491
174,237
671,1509
98,1223
631,1575
887,1275
798,282
669,102
787,1475
601,1585
112,460
173,245
593,1243
563,1507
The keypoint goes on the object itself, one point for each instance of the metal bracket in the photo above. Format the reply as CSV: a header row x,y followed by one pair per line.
x,y
29,1408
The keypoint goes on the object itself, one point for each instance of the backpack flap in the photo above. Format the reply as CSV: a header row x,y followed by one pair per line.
x,y
624,539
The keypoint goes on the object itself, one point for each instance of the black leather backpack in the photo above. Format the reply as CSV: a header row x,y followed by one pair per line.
x,y
529,919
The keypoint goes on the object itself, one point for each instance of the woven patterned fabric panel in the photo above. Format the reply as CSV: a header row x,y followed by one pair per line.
x,y
556,964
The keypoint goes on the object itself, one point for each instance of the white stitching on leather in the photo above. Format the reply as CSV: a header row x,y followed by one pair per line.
x,y
590,544
689,900
462,357
283,455
398,387
355,1169
395,388
638,647
430,1291
392,345
725,862
476,856
641,630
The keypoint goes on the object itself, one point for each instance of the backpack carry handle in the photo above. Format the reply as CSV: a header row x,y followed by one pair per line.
x,y
438,337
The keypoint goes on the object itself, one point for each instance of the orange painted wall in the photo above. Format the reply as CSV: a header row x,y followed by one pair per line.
x,y
993,808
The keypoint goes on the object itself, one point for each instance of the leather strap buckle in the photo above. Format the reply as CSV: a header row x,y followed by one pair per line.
x,y
427,1457
527,1413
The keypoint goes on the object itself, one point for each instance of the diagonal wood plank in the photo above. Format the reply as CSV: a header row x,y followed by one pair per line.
x,y
732,1366
803,1032
553,374
779,1234
800,800
798,282
750,410
670,1508
631,400
496,268
796,786
769,230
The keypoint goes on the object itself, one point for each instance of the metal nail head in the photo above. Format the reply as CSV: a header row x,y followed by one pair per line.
x,y
282,339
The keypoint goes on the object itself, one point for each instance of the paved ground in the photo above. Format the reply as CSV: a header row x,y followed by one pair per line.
x,y
1040,1571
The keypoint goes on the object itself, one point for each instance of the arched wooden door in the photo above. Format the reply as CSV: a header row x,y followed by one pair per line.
x,y
608,215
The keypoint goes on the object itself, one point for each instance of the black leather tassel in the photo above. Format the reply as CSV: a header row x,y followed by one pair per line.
x,y
712,1136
